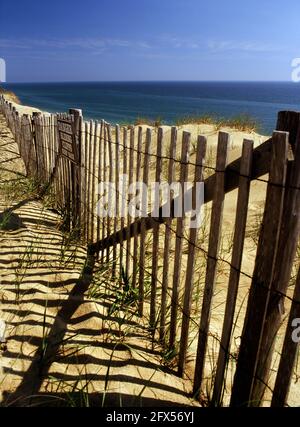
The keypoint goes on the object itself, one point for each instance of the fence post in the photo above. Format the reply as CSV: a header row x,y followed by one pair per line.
x,y
213,253
156,228
262,276
35,114
76,169
185,148
167,243
136,237
130,182
289,353
123,198
189,285
288,121
142,271
288,242
236,261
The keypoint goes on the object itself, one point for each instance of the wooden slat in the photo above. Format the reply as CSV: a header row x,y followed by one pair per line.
x,y
155,245
213,252
89,178
28,143
129,219
78,125
55,170
69,190
58,167
287,249
186,139
123,203
166,260
236,262
200,157
86,162
94,178
64,190
138,174
262,276
100,168
261,166
83,181
37,143
143,228
33,152
60,188
48,148
289,121
53,143
111,179
117,194
22,131
104,179
44,147
289,353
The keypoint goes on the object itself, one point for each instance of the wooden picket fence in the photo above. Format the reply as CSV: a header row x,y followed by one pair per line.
x,y
160,255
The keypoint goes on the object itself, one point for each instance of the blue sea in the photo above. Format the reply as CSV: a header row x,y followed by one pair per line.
x,y
119,102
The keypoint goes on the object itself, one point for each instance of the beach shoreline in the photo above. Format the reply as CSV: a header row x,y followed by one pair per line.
x,y
15,101
168,103
210,130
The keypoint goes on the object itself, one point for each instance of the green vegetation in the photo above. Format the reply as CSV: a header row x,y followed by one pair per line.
x,y
19,188
243,122
156,123
10,95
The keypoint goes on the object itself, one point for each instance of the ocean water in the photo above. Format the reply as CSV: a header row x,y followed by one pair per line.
x,y
125,101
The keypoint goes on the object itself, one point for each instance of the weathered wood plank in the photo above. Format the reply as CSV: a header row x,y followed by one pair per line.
x,y
236,262
155,245
288,243
262,276
136,236
143,230
104,179
289,353
213,252
117,194
186,139
99,174
94,179
167,231
89,177
200,158
111,179
123,203
130,181
260,167
85,179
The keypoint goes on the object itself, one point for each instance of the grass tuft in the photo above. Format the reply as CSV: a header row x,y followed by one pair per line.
x,y
242,122
156,123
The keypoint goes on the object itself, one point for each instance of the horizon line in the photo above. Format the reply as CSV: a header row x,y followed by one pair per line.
x,y
146,81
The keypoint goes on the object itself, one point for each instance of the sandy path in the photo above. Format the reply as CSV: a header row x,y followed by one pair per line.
x,y
62,345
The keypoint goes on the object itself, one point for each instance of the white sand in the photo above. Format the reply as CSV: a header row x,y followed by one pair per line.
x,y
257,198
110,358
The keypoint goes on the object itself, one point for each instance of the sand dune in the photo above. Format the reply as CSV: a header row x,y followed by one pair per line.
x,y
110,357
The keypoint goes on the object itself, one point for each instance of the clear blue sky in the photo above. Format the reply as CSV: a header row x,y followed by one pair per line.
x,y
95,40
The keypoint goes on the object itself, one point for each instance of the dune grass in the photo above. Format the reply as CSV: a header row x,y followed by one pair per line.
x,y
242,122
155,123
11,96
